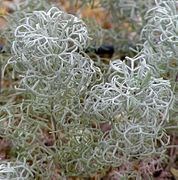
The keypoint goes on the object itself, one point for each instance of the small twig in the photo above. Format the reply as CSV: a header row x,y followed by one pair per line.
x,y
172,146
53,122
171,127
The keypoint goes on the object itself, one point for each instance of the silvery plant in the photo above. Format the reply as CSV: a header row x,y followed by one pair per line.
x,y
135,105
19,11
70,117
46,50
160,38
14,171
160,35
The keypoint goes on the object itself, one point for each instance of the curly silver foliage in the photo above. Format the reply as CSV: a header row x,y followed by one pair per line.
x,y
67,119
136,103
50,32
132,90
160,34
14,171
46,53
21,8
51,75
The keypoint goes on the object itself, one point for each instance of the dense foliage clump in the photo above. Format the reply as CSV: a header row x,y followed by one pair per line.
x,y
68,112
